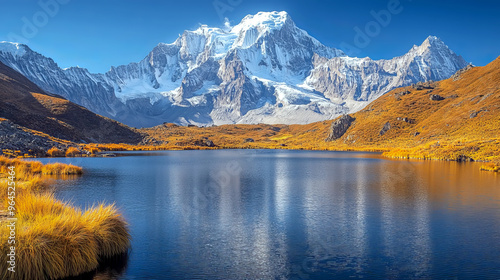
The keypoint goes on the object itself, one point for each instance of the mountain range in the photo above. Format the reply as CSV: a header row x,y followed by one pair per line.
x,y
263,70
24,104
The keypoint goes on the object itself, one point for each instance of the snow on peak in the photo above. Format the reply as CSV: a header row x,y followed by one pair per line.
x,y
262,21
206,30
432,44
16,49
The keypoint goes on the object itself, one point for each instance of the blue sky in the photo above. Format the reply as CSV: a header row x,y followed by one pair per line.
x,y
99,34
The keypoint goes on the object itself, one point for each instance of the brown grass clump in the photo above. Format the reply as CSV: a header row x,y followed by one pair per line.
x,y
55,152
36,184
54,239
72,152
53,243
28,170
109,229
61,169
491,166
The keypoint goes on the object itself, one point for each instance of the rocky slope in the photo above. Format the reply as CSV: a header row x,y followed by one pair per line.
x,y
15,138
410,122
263,70
25,104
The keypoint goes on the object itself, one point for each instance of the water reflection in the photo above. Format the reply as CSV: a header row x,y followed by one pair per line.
x,y
299,215
109,269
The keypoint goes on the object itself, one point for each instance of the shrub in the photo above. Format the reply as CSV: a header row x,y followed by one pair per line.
x,y
72,152
55,152
491,166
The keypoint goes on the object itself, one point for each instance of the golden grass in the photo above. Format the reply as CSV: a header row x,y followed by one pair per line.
x,y
463,126
109,229
55,152
53,238
29,170
72,152
491,166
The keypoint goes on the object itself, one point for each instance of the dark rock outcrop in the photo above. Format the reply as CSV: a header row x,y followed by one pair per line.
x,y
474,114
204,142
14,138
424,85
398,95
387,127
339,127
407,120
464,158
436,97
459,73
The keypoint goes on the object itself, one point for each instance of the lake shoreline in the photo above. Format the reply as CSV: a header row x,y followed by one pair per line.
x,y
109,151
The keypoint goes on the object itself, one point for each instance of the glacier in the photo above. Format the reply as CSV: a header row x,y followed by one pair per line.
x,y
263,70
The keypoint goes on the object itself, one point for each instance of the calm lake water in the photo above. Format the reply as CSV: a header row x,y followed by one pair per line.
x,y
266,214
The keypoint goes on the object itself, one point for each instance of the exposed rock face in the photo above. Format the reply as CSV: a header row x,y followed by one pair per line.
x,y
263,70
204,142
14,138
464,158
436,97
339,127
474,114
459,73
387,127
407,120
424,85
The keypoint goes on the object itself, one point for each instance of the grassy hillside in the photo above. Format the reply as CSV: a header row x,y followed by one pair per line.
x,y
27,105
460,122
465,124
454,119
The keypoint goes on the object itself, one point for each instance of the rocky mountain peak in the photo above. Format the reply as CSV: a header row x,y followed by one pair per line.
x,y
264,21
265,69
15,49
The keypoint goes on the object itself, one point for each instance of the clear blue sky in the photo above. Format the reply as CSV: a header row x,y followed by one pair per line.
x,y
99,34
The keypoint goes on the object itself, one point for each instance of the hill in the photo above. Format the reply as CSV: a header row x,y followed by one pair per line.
x,y
25,104
454,119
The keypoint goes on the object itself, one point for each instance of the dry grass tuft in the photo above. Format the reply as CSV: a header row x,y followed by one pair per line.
x,y
109,228
491,166
54,239
55,152
61,169
72,152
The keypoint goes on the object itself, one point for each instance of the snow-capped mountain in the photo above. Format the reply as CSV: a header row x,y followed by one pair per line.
x,y
263,70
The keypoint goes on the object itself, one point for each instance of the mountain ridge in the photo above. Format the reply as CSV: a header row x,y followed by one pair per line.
x,y
27,105
265,69
455,119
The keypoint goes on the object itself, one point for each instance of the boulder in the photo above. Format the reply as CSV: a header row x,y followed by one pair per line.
x,y
339,127
459,73
408,120
464,158
387,127
424,85
436,97
204,142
